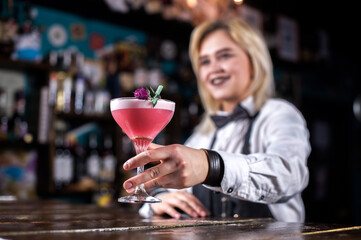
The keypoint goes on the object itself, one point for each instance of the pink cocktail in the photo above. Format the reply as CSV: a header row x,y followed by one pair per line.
x,y
141,122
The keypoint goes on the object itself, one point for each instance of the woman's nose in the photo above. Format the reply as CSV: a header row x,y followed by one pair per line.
x,y
215,67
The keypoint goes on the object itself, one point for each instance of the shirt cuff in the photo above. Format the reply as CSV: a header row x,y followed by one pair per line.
x,y
235,180
146,211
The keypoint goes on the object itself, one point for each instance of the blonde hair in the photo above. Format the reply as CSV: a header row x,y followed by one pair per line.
x,y
262,86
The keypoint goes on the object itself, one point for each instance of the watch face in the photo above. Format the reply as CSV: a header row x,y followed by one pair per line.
x,y
57,35
168,50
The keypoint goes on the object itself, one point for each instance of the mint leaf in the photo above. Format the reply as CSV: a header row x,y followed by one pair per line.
x,y
159,89
154,101
154,95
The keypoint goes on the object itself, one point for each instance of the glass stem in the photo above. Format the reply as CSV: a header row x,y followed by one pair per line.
x,y
140,145
140,188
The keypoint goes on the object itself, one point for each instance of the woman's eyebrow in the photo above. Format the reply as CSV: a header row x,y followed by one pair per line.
x,y
217,52
203,57
223,50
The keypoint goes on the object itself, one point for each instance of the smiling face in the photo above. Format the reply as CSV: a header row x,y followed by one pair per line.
x,y
224,69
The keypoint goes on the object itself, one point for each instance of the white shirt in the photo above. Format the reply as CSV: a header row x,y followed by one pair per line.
x,y
276,171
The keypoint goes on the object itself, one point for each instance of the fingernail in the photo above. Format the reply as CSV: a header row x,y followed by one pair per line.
x,y
125,165
203,214
130,190
177,216
128,185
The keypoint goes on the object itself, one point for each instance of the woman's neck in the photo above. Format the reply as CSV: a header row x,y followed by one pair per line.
x,y
228,106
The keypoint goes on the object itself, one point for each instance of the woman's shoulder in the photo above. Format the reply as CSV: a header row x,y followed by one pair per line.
x,y
278,104
278,107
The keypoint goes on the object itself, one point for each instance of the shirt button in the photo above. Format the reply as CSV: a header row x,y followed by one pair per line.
x,y
230,190
261,198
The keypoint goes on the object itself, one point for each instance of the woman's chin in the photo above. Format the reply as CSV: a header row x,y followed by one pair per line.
x,y
220,95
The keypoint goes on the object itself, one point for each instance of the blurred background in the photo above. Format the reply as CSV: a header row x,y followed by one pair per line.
x,y
62,61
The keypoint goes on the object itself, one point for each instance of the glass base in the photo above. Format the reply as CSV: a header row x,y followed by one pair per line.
x,y
140,195
139,199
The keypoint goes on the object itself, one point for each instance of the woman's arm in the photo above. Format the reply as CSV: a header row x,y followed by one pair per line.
x,y
277,170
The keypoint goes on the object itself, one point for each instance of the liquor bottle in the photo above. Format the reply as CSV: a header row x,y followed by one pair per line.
x,y
44,116
79,163
68,166
3,115
59,103
68,161
3,101
79,83
89,102
56,62
58,173
53,88
107,175
67,90
3,127
18,124
74,83
93,160
79,93
109,161
63,81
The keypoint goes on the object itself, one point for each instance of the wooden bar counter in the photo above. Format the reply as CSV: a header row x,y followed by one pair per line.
x,y
50,219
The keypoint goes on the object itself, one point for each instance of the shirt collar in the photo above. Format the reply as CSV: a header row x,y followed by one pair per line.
x,y
249,105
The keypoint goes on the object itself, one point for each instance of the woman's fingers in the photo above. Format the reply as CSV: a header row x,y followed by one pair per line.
x,y
191,205
154,146
172,212
144,158
182,200
195,204
154,177
180,167
185,207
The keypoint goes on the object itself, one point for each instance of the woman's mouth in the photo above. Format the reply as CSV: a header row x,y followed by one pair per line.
x,y
219,80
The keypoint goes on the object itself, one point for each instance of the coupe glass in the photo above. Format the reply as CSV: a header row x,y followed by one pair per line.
x,y
141,122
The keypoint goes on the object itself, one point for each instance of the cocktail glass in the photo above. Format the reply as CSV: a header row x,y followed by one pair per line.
x,y
141,122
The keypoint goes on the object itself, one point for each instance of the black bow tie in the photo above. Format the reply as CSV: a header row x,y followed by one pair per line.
x,y
238,113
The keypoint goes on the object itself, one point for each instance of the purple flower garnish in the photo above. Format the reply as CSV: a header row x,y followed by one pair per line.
x,y
141,93
149,94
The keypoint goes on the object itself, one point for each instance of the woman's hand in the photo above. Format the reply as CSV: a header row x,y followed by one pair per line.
x,y
182,200
180,167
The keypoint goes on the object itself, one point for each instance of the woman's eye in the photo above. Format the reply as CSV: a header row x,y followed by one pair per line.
x,y
204,62
224,56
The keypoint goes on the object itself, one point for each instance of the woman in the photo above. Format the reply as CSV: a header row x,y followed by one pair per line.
x,y
248,156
